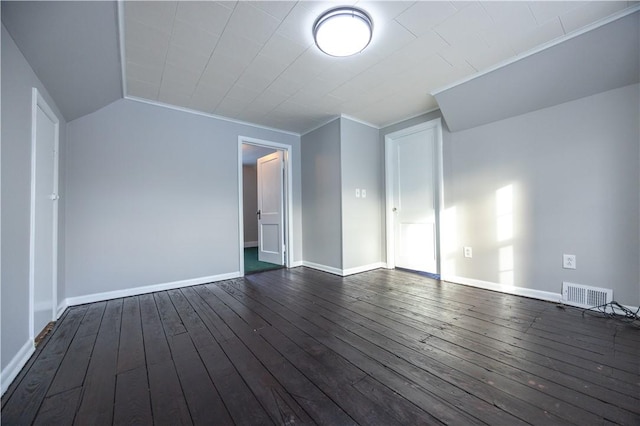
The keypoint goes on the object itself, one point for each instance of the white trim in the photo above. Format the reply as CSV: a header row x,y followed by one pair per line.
x,y
366,123
324,123
108,295
37,101
357,120
389,195
363,268
297,264
61,308
502,288
288,156
323,268
32,211
540,48
240,209
248,244
121,43
16,364
343,272
440,194
205,114
410,117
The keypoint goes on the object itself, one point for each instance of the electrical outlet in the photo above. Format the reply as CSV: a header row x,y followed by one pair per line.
x,y
357,192
569,261
468,252
363,192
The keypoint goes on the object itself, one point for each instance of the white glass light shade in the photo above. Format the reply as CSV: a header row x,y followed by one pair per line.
x,y
344,31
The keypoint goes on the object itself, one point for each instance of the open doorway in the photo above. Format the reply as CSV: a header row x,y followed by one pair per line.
x,y
264,187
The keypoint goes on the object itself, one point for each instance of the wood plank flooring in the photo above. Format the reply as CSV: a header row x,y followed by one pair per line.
x,y
301,346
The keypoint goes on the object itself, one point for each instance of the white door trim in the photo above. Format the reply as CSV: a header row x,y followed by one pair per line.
x,y
389,194
37,101
288,197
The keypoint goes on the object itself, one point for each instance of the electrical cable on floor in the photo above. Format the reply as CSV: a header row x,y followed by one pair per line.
x,y
626,315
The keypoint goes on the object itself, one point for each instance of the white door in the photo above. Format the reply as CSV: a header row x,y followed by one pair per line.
x,y
412,202
270,208
44,207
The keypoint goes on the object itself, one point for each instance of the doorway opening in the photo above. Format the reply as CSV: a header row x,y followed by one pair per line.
x,y
414,196
264,186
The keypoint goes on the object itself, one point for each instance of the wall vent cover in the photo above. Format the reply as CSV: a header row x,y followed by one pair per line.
x,y
585,296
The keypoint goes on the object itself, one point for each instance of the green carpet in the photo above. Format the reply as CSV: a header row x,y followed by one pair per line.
x,y
252,264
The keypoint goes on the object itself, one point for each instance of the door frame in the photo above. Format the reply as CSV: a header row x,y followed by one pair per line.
x,y
389,139
37,101
288,197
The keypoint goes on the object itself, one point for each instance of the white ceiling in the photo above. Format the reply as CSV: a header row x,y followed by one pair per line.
x,y
255,61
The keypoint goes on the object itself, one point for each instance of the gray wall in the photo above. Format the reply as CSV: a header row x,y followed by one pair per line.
x,y
321,196
340,230
17,81
153,197
362,165
573,169
250,202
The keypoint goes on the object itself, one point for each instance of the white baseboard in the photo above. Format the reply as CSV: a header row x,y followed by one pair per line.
x,y
343,272
296,264
61,308
98,297
15,365
323,268
518,291
248,244
363,268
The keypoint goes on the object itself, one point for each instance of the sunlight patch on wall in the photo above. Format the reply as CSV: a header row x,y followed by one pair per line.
x,y
504,234
449,242
418,240
504,213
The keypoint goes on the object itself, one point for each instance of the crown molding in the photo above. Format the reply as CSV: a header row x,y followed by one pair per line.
x,y
205,114
542,47
121,45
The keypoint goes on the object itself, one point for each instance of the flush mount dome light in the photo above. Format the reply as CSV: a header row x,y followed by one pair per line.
x,y
343,31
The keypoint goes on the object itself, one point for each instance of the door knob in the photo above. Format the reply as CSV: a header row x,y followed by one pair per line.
x,y
258,214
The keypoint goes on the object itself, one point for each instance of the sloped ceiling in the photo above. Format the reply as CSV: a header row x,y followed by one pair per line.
x,y
255,61
73,49
603,59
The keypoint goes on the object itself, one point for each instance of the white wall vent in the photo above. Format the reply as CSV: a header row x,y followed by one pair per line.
x,y
585,296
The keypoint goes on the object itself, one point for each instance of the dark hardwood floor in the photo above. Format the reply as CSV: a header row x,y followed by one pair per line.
x,y
302,346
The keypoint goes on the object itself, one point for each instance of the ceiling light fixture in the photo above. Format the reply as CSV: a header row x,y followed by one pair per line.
x,y
343,31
